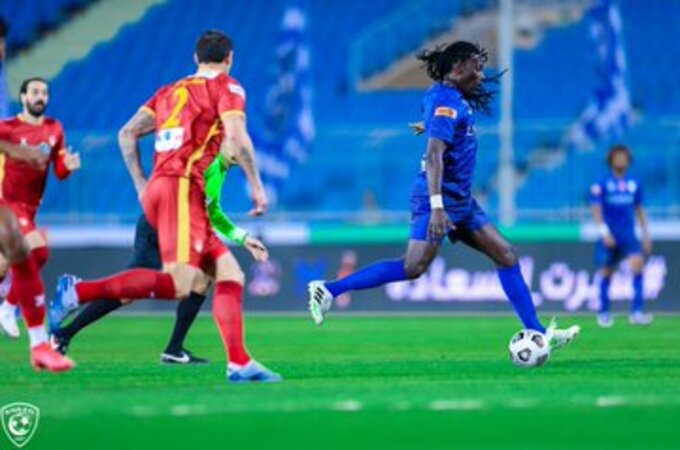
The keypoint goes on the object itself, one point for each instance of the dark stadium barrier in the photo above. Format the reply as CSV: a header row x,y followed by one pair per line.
x,y
561,276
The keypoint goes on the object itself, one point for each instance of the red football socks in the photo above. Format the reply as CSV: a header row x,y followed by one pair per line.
x,y
132,284
39,256
228,315
29,290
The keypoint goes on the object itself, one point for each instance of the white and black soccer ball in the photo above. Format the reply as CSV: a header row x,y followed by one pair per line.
x,y
529,348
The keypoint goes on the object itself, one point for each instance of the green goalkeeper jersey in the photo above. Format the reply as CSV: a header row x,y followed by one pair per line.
x,y
214,180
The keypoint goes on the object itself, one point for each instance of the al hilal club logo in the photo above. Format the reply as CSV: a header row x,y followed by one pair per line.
x,y
20,420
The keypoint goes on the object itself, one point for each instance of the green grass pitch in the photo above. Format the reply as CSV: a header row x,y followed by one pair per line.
x,y
358,383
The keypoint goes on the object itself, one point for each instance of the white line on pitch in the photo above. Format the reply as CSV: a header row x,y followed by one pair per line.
x,y
348,406
456,405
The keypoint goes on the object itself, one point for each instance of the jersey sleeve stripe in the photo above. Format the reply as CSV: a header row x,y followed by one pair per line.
x,y
233,112
147,110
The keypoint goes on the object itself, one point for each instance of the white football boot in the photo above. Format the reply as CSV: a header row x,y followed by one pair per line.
x,y
560,337
8,320
320,301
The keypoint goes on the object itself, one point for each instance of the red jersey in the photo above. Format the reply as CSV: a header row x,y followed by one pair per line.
x,y
20,182
187,116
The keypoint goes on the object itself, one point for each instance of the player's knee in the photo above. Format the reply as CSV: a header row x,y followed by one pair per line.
x,y
507,257
414,269
636,264
16,248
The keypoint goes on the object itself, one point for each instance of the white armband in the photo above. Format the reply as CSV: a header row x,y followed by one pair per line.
x,y
436,202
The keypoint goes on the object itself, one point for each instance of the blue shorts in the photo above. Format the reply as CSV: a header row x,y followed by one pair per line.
x,y
611,257
146,253
466,219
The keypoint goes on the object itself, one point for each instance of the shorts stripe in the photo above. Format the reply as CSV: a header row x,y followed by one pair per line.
x,y
2,173
183,222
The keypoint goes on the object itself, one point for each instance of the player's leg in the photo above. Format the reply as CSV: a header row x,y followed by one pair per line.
x,y
39,253
31,294
187,311
174,282
228,315
419,255
636,263
604,317
8,310
145,255
490,242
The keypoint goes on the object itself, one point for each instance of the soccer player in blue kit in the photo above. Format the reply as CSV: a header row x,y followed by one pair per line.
x,y
441,201
616,199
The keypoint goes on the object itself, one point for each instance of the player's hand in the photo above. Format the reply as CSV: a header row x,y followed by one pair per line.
x,y
417,128
609,241
260,202
647,246
439,225
140,186
71,160
257,249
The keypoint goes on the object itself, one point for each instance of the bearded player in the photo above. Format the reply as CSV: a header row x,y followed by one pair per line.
x,y
22,186
28,285
441,201
187,116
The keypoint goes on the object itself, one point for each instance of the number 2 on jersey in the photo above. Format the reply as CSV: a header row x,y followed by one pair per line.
x,y
181,97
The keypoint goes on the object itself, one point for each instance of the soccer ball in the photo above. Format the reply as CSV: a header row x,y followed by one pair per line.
x,y
529,348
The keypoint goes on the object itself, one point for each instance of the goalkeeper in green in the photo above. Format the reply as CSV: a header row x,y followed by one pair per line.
x,y
146,255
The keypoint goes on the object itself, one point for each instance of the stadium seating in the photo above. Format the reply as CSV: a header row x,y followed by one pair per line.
x,y
362,141
28,17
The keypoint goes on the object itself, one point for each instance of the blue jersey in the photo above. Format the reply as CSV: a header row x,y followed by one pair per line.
x,y
448,117
618,198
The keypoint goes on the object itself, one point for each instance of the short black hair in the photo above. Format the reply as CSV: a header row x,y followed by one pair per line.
x,y
213,47
24,84
619,148
4,27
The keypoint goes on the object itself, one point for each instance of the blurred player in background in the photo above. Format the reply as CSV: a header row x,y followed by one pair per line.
x,y
615,202
441,200
186,115
22,185
146,255
28,286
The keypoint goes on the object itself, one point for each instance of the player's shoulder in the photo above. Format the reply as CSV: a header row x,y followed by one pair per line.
x,y
231,85
52,122
445,101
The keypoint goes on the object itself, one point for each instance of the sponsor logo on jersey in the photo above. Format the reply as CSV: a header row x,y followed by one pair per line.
x,y
237,89
446,112
169,139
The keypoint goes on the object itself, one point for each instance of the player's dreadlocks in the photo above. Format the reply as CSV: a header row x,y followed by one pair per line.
x,y
440,61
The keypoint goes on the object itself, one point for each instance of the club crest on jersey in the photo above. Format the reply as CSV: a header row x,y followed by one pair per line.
x,y
236,89
20,421
446,112
169,139
45,148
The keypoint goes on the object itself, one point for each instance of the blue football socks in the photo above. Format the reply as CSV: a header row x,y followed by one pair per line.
x,y
638,294
376,274
519,295
604,294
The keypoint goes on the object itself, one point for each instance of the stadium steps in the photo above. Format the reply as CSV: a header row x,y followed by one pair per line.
x,y
98,23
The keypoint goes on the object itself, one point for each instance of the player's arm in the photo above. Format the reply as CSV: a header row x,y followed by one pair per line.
x,y
29,155
644,227
238,144
603,230
141,124
65,161
644,222
434,168
214,180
